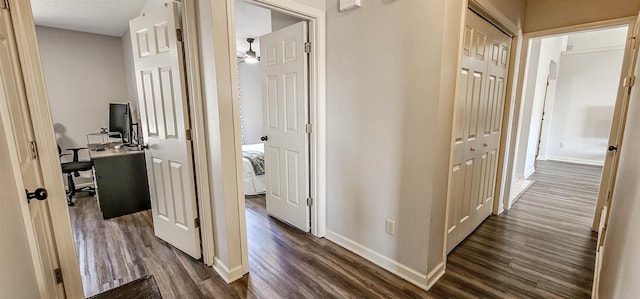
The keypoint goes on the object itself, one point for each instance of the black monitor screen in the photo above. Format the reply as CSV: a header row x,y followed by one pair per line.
x,y
120,119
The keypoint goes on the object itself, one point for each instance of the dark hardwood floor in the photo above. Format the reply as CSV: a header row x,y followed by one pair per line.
x,y
541,248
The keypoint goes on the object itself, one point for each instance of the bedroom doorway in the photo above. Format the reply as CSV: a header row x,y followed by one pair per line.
x,y
273,99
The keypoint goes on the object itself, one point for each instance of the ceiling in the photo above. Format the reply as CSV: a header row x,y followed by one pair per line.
x,y
251,21
111,17
108,17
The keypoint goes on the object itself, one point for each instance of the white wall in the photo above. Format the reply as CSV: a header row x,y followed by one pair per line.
x,y
83,72
251,93
547,14
381,118
585,98
620,272
534,99
280,20
17,274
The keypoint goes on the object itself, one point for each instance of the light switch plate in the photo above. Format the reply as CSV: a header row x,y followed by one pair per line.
x,y
349,4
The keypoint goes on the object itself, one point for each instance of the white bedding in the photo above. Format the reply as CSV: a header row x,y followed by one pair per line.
x,y
253,184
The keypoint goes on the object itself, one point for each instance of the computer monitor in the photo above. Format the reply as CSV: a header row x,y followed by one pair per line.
x,y
120,120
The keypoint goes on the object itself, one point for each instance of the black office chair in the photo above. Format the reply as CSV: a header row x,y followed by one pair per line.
x,y
72,169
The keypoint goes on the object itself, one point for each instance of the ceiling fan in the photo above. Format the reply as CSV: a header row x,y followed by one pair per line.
x,y
250,56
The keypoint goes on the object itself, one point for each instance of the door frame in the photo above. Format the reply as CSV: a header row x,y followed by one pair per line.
x,y
38,102
506,179
317,111
39,107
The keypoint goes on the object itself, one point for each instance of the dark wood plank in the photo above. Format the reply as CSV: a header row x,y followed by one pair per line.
x,y
541,248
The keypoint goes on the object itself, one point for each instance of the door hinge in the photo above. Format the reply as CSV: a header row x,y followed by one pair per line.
x,y
629,81
307,47
187,134
34,150
633,42
309,201
308,128
179,34
58,273
197,222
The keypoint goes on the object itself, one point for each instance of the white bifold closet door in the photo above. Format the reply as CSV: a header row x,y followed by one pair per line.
x,y
477,126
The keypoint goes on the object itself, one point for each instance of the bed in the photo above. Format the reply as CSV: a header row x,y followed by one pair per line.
x,y
254,184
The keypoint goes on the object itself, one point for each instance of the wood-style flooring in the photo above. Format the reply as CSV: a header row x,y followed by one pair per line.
x,y
541,248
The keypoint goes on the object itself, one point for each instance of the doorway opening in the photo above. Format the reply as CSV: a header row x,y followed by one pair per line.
x,y
569,95
272,51
135,223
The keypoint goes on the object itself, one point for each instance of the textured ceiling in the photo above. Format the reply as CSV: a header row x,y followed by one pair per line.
x,y
108,17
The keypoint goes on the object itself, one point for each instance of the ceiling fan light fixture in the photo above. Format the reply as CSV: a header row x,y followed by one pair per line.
x,y
251,56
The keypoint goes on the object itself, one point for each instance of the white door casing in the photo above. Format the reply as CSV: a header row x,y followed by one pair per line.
x,y
285,96
160,78
12,90
477,127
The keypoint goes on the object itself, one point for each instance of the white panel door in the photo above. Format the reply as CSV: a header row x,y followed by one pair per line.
x,y
492,109
477,123
160,78
284,64
14,102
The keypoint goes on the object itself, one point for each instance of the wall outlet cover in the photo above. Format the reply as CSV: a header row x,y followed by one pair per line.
x,y
349,4
390,227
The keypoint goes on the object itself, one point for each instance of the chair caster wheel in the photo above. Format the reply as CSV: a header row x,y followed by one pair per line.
x,y
92,193
71,203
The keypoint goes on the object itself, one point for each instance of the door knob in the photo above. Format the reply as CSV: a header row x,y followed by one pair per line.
x,y
39,194
264,138
613,148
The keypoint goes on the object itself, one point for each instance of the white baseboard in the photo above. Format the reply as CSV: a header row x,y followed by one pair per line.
x,y
529,172
576,160
404,272
229,276
435,274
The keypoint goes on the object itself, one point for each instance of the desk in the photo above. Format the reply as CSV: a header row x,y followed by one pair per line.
x,y
121,181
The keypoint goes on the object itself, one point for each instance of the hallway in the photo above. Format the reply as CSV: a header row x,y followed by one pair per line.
x,y
542,248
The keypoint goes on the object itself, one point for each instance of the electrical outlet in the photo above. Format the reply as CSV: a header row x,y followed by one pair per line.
x,y
561,145
391,227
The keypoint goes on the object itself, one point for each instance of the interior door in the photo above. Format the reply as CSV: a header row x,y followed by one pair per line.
x,y
478,119
616,131
160,78
13,96
601,218
284,75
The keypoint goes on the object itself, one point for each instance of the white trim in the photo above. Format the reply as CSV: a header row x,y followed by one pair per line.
x,y
317,109
199,140
229,276
529,173
602,49
403,271
38,100
487,9
576,160
435,275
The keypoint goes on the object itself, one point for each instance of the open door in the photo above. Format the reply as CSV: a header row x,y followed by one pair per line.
x,y
159,66
616,132
610,169
285,99
19,130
